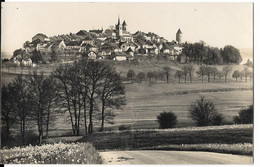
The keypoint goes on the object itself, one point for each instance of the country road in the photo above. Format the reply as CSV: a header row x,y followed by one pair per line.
x,y
172,157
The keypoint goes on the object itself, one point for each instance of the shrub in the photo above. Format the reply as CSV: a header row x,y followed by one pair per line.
x,y
123,127
245,116
218,119
167,120
204,113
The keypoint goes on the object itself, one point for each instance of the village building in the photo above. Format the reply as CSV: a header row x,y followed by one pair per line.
x,y
40,38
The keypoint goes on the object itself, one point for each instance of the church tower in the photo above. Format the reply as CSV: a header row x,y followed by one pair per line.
x,y
124,26
179,36
119,29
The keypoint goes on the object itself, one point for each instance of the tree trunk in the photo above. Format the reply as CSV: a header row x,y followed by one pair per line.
x,y
167,78
90,126
202,78
85,117
185,76
103,116
179,79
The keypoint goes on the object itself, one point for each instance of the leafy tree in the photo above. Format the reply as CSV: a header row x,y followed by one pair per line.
x,y
131,75
250,74
202,71
208,72
53,56
236,74
246,71
26,44
249,63
214,71
190,69
167,120
179,74
226,70
203,112
220,74
167,70
186,71
36,57
231,55
150,75
246,116
140,76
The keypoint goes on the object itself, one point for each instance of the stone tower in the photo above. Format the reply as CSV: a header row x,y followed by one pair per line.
x,y
179,36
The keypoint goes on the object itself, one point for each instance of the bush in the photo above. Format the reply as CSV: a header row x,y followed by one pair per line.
x,y
167,120
124,127
218,119
245,116
204,113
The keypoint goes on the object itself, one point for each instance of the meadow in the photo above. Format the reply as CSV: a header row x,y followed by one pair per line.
x,y
213,138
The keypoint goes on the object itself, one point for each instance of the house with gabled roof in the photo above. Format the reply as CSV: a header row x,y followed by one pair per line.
x,y
40,37
58,45
82,33
73,45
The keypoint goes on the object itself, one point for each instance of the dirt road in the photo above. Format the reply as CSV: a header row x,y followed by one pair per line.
x,y
172,157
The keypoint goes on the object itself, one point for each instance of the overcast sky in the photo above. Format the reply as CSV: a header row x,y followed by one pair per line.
x,y
218,24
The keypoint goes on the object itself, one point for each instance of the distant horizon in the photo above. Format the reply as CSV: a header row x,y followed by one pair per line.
x,y
217,24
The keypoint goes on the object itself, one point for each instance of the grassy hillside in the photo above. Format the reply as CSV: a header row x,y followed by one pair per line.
x,y
145,139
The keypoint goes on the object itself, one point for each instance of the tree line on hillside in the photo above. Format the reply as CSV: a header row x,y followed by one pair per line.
x,y
86,90
204,113
199,53
187,73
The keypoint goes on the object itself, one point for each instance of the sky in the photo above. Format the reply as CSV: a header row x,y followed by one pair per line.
x,y
217,24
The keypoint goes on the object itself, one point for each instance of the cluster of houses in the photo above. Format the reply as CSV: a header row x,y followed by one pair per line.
x,y
115,43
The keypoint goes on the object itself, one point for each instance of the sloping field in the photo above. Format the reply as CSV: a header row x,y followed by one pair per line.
x,y
142,139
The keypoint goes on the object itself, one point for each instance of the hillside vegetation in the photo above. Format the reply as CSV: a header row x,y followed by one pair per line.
x,y
145,139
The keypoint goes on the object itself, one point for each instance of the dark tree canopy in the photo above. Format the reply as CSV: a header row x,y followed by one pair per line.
x,y
167,120
231,55
246,116
204,112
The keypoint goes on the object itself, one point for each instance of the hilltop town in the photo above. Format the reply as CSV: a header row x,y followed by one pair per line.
x,y
114,43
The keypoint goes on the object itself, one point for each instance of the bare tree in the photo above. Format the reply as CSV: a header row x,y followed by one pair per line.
x,y
111,93
8,108
42,92
67,96
22,104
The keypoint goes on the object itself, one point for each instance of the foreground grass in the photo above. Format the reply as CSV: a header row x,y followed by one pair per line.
x,y
241,149
59,153
141,139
